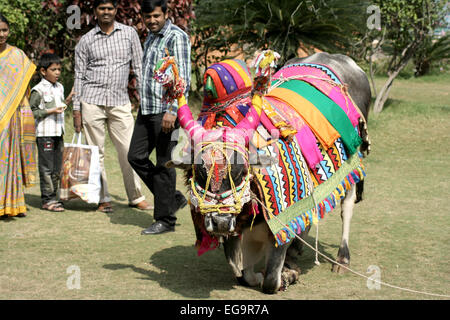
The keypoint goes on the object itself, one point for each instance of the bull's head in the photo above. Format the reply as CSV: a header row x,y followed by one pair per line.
x,y
219,177
220,186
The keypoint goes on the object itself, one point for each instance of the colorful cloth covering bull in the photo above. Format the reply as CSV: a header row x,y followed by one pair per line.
x,y
306,121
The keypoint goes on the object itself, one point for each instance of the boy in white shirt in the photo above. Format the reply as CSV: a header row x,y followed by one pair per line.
x,y
48,105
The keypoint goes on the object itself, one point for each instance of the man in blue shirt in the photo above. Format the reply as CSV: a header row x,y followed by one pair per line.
x,y
156,120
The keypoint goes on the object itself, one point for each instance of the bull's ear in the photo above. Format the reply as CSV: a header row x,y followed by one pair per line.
x,y
260,161
177,164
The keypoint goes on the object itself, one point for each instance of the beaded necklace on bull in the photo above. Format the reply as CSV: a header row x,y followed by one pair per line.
x,y
218,163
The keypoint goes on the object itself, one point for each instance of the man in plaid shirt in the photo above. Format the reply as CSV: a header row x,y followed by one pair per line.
x,y
102,67
156,121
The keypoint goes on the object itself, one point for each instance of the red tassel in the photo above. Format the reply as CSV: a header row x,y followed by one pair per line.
x,y
350,178
216,172
255,207
208,243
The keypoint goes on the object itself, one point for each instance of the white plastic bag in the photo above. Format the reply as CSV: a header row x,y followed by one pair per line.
x,y
80,174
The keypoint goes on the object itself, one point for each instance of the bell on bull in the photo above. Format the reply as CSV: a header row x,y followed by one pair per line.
x,y
264,209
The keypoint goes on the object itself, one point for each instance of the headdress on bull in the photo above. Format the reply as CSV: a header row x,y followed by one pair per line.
x,y
228,86
227,90
225,80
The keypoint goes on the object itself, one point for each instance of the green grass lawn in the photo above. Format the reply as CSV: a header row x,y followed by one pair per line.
x,y
402,227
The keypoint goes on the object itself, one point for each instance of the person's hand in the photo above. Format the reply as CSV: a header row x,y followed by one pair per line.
x,y
77,121
135,107
168,122
55,110
70,96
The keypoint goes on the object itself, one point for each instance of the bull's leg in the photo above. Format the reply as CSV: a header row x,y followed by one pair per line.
x,y
253,251
233,254
274,265
242,255
295,250
346,214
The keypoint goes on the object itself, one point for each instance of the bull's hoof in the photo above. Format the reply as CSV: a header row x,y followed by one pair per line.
x,y
241,281
290,263
268,290
340,268
250,279
288,277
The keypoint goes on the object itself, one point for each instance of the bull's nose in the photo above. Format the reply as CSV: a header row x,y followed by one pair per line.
x,y
220,223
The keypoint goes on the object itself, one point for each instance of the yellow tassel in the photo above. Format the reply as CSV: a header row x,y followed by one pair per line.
x,y
341,191
315,217
347,184
182,101
305,221
257,103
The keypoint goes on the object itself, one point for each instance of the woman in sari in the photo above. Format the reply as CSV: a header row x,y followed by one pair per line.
x,y
17,131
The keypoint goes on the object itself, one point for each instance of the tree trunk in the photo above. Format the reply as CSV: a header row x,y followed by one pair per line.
x,y
371,74
383,95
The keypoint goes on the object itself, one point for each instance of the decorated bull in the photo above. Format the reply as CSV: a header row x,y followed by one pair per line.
x,y
270,157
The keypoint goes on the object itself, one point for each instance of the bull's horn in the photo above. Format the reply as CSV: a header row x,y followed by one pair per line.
x,y
245,128
249,124
193,128
208,223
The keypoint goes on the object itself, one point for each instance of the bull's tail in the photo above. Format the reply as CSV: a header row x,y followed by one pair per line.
x,y
364,133
365,150
359,191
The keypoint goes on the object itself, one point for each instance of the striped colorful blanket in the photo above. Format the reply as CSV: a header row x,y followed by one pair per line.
x,y
317,164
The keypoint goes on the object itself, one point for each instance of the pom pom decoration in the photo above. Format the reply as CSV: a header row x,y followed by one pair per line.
x,y
263,65
166,73
264,62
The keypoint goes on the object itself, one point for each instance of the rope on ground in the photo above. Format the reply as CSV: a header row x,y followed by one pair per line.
x,y
353,271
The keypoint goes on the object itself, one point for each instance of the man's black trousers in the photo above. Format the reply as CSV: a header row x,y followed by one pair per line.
x,y
161,181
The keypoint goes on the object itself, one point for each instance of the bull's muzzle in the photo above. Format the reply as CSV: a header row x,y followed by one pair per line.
x,y
220,223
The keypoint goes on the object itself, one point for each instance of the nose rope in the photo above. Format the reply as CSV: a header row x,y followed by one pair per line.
x,y
221,207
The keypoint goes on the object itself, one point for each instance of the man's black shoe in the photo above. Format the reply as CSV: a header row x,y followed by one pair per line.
x,y
157,228
182,202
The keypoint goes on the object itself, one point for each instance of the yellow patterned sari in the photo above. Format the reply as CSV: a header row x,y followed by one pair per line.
x,y
17,131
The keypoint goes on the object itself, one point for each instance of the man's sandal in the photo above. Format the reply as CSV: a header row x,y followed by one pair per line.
x,y
105,207
54,207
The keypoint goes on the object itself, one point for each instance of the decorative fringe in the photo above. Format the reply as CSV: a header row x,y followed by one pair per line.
x,y
301,222
206,244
